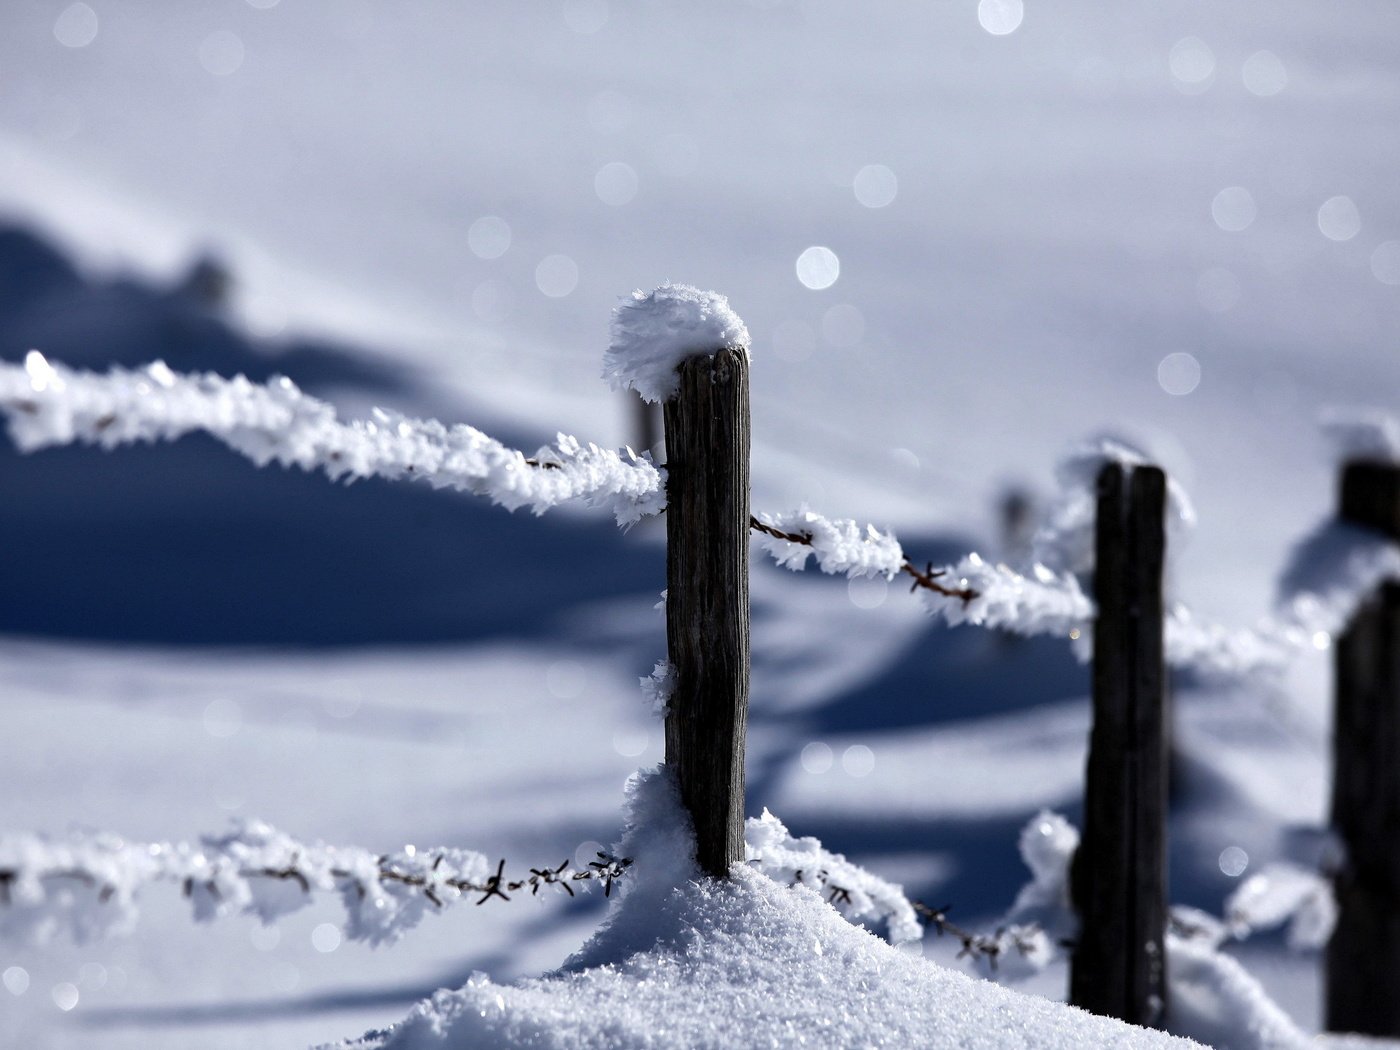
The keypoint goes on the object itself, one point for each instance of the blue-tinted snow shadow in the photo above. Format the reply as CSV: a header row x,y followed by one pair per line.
x,y
190,544
941,677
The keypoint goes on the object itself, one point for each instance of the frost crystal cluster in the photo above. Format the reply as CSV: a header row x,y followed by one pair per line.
x,y
654,332
840,546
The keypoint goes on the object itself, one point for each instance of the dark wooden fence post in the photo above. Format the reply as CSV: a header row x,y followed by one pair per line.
x,y
1118,967
707,602
1363,957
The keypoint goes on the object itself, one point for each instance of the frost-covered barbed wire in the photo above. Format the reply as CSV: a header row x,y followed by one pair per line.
x,y
1333,571
858,893
1284,893
88,885
47,404
1330,574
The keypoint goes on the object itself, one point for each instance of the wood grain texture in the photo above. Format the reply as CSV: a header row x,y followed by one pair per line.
x,y
1118,877
707,602
1363,957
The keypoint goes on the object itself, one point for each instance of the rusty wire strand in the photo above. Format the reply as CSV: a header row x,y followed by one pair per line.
x,y
927,579
607,869
988,945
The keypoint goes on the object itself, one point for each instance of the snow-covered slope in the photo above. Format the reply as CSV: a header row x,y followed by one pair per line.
x,y
691,962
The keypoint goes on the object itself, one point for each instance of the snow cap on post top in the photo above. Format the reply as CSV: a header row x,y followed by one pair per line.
x,y
654,332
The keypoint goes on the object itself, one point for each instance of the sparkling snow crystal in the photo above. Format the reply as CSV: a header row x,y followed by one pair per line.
x,y
654,332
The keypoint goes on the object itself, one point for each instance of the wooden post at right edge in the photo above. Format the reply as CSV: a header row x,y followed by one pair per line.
x,y
1118,878
1363,957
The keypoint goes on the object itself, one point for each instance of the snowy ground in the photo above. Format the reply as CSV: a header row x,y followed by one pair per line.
x,y
188,638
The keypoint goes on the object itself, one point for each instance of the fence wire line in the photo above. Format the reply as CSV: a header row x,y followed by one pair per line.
x,y
48,404
87,884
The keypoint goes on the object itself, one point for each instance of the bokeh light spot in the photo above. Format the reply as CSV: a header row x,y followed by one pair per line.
x,y
1338,219
65,996
565,679
1192,64
489,237
1000,17
221,52
1233,209
1233,861
1263,74
875,186
858,760
615,183
818,268
325,938
1385,262
629,743
1179,374
866,592
817,757
76,26
556,276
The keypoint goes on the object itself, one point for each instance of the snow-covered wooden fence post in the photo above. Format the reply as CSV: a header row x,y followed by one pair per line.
x,y
707,600
1363,957
1119,873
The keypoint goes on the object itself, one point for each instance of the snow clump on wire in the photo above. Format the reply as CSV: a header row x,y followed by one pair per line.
x,y
654,332
1362,434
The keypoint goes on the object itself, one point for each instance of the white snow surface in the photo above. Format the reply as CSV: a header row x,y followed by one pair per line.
x,y
47,404
685,961
654,332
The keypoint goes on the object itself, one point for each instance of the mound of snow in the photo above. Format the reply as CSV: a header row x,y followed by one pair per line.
x,y
685,961
653,332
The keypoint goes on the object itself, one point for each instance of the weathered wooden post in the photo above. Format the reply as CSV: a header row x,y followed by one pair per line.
x,y
1363,957
1118,967
707,602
